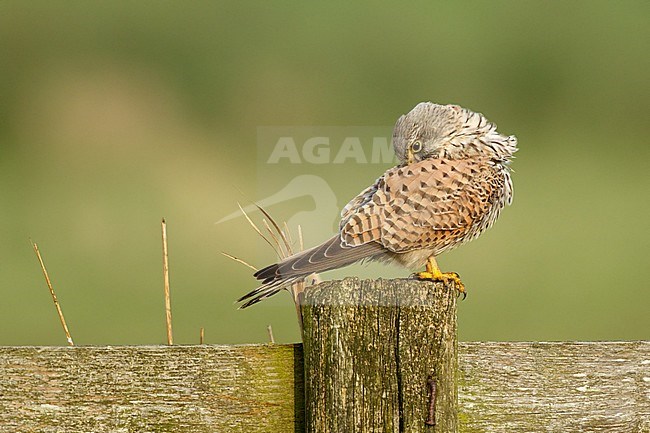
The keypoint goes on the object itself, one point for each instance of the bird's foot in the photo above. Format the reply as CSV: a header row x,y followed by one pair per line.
x,y
444,277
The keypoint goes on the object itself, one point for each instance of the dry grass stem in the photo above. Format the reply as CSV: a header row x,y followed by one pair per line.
x,y
277,227
168,302
283,252
56,302
238,260
259,232
201,335
281,242
287,232
300,240
269,329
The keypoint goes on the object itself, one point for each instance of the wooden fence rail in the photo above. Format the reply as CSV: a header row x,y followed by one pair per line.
x,y
503,387
370,350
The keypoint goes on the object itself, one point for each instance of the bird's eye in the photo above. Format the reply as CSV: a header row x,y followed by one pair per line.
x,y
416,146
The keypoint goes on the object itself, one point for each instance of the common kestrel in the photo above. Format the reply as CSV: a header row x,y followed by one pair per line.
x,y
451,183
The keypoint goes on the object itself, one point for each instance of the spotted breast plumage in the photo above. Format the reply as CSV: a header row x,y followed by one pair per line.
x,y
452,181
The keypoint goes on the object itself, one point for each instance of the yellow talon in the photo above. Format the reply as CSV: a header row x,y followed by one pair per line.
x,y
433,273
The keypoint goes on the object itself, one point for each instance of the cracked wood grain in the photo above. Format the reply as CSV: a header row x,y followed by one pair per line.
x,y
503,387
512,387
248,388
370,348
555,387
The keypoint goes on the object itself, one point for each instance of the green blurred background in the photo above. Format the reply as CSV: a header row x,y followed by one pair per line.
x,y
115,114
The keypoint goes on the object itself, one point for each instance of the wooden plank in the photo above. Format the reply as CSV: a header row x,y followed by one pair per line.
x,y
256,388
555,387
503,387
370,347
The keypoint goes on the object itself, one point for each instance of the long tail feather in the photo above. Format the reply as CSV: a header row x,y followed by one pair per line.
x,y
329,255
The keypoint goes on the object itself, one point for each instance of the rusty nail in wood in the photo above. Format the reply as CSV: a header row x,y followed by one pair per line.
x,y
431,418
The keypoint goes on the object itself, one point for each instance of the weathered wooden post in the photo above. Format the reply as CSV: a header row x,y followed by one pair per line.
x,y
373,350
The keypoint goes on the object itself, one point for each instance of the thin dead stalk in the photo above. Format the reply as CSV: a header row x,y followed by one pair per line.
x,y
283,252
282,243
168,303
279,230
300,239
259,232
56,302
238,260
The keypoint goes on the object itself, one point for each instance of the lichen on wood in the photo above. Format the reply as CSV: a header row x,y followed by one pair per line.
x,y
512,387
370,347
247,388
554,387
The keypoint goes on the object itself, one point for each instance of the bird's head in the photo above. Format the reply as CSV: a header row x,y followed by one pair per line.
x,y
449,131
